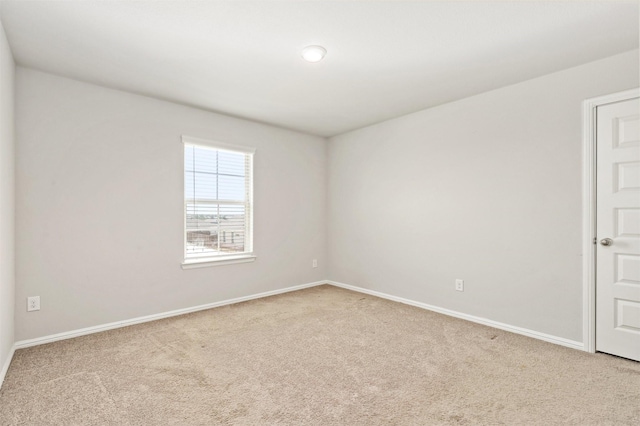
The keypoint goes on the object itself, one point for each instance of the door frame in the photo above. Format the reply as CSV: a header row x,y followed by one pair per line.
x,y
589,157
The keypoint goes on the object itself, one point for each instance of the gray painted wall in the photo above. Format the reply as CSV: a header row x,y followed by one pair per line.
x,y
7,204
99,206
486,189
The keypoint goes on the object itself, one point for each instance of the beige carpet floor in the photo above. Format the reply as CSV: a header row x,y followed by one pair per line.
x,y
321,356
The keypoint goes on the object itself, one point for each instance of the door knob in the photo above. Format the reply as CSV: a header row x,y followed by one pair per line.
x,y
606,241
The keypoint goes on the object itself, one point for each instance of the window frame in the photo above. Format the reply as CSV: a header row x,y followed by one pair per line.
x,y
224,259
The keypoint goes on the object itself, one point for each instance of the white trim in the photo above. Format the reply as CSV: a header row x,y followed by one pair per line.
x,y
190,140
205,262
5,366
589,211
139,320
588,226
484,321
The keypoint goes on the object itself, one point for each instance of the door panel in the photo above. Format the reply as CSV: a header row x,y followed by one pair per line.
x,y
618,219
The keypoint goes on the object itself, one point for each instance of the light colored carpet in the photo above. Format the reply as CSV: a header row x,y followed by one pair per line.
x,y
321,356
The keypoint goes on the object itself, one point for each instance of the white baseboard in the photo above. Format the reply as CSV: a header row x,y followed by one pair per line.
x,y
5,366
511,328
139,320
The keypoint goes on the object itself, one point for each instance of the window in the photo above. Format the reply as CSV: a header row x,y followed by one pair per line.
x,y
218,203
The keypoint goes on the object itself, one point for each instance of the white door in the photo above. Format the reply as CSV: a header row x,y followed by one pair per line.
x,y
618,229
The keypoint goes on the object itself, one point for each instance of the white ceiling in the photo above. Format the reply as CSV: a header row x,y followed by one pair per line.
x,y
385,59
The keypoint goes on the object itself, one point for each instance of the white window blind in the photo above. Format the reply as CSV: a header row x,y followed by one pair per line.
x,y
217,201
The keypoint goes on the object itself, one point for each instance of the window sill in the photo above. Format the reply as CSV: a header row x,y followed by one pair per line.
x,y
217,261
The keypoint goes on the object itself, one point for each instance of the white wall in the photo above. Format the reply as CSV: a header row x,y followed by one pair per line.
x,y
99,206
486,189
7,204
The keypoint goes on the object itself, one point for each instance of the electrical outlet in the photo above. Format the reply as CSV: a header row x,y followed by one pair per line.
x,y
314,263
460,285
33,303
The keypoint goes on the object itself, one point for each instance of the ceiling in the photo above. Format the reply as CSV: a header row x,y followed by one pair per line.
x,y
385,58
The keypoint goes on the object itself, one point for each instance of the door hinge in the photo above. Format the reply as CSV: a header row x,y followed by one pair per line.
x,y
595,240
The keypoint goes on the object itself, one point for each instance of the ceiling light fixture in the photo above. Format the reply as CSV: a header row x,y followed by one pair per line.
x,y
313,53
